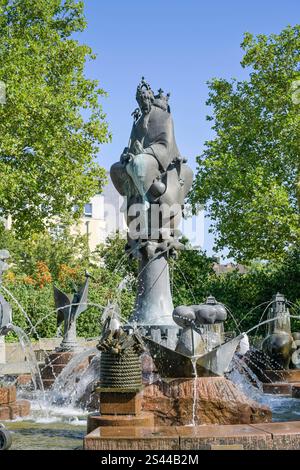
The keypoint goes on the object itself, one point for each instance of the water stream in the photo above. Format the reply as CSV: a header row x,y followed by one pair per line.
x,y
195,382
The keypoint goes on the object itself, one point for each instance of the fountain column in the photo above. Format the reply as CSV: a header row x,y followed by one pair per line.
x,y
154,304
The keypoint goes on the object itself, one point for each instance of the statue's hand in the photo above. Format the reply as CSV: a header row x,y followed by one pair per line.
x,y
137,147
125,158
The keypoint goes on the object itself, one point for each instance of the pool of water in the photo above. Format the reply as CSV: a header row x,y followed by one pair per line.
x,y
29,435
65,430
283,409
66,433
49,428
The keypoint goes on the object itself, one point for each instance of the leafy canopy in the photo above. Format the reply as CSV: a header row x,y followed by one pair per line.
x,y
52,122
248,175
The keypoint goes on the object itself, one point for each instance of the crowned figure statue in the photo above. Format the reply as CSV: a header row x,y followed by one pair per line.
x,y
154,179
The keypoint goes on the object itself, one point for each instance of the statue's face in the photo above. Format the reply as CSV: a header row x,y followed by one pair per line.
x,y
145,99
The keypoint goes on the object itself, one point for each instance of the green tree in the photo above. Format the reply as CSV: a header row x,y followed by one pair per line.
x,y
52,122
190,274
53,249
249,173
61,259
114,258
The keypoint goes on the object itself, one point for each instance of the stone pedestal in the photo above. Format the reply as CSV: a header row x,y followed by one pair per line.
x,y
10,407
205,400
112,403
55,362
120,409
95,420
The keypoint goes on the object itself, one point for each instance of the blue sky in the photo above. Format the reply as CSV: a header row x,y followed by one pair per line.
x,y
177,45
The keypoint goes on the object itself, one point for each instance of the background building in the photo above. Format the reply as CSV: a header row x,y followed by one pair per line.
x,y
101,217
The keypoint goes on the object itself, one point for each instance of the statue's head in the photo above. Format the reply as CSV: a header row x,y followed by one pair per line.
x,y
144,96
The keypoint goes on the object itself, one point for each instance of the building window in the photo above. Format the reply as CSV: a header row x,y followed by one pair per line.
x,y
88,210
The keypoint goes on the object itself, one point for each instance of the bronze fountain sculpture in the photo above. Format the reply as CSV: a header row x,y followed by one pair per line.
x,y
68,308
154,180
280,343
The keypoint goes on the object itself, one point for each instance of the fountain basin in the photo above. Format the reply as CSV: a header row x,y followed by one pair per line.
x,y
269,436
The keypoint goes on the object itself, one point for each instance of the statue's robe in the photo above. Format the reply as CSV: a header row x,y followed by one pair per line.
x,y
153,159
155,131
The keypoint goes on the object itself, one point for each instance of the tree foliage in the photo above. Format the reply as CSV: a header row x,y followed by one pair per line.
x,y
52,122
248,175
62,259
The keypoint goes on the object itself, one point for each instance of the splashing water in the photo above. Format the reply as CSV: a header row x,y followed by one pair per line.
x,y
30,356
33,365
64,389
20,308
283,408
243,374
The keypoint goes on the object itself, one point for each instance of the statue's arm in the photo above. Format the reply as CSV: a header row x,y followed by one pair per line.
x,y
127,152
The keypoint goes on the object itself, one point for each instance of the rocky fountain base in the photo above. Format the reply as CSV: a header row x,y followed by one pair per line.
x,y
203,400
225,419
10,407
169,411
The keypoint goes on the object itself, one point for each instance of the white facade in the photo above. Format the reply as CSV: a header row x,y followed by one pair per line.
x,y
102,217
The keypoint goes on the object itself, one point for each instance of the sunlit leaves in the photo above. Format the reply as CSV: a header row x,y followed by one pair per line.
x,y
42,66
248,175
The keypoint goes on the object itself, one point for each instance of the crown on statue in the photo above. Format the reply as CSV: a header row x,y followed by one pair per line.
x,y
160,100
142,86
